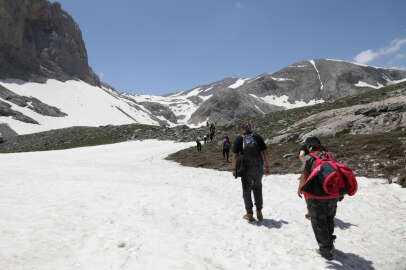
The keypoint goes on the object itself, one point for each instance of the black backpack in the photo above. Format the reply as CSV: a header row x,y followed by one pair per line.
x,y
251,147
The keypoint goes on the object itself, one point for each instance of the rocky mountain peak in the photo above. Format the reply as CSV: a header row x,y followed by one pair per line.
x,y
40,41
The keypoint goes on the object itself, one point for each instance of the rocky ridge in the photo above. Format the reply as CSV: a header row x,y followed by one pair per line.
x,y
300,84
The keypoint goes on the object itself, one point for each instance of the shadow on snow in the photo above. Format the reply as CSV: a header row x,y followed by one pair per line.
x,y
343,225
271,223
349,261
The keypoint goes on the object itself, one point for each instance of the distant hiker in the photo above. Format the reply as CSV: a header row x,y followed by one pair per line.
x,y
199,144
212,131
251,155
323,183
225,147
205,139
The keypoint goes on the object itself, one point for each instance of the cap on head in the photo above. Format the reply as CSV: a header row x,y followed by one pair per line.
x,y
313,142
247,126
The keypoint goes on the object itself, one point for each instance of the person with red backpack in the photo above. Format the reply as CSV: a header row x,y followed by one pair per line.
x,y
250,162
324,181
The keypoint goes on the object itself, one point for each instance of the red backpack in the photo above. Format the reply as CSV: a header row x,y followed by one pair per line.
x,y
329,179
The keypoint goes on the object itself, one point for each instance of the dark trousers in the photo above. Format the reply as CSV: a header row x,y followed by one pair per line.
x,y
252,183
226,153
199,147
322,214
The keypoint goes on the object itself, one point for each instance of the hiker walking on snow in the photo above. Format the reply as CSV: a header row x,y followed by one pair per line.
x,y
199,144
212,131
225,147
255,163
324,181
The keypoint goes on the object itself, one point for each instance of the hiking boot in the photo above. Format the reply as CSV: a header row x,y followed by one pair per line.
x,y
333,248
249,217
260,217
326,254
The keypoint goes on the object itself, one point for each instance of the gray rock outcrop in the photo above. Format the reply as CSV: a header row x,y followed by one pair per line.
x,y
6,131
160,110
6,110
230,104
31,103
40,41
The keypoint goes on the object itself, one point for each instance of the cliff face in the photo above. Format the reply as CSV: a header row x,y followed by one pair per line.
x,y
38,41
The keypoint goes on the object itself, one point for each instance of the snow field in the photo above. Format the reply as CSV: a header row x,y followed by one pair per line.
x,y
86,105
122,206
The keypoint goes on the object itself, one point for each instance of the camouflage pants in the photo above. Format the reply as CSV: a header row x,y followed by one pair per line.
x,y
322,214
252,183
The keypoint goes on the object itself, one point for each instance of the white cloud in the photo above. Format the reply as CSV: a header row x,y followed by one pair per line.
x,y
367,56
238,5
399,56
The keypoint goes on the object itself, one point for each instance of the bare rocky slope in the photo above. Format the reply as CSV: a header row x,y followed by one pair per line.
x,y
40,41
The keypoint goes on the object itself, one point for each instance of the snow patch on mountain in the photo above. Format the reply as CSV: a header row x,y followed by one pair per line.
x,y
364,84
318,73
259,109
84,104
240,82
395,81
208,89
194,92
283,101
281,79
181,104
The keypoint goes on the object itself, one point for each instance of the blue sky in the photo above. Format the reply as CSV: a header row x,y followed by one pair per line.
x,y
162,46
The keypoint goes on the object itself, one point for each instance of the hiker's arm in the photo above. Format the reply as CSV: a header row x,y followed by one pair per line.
x,y
302,155
234,163
267,163
303,178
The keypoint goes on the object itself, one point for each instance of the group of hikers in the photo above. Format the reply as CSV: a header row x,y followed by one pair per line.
x,y
323,181
225,145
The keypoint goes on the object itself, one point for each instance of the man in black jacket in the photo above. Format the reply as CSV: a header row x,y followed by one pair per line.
x,y
256,164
